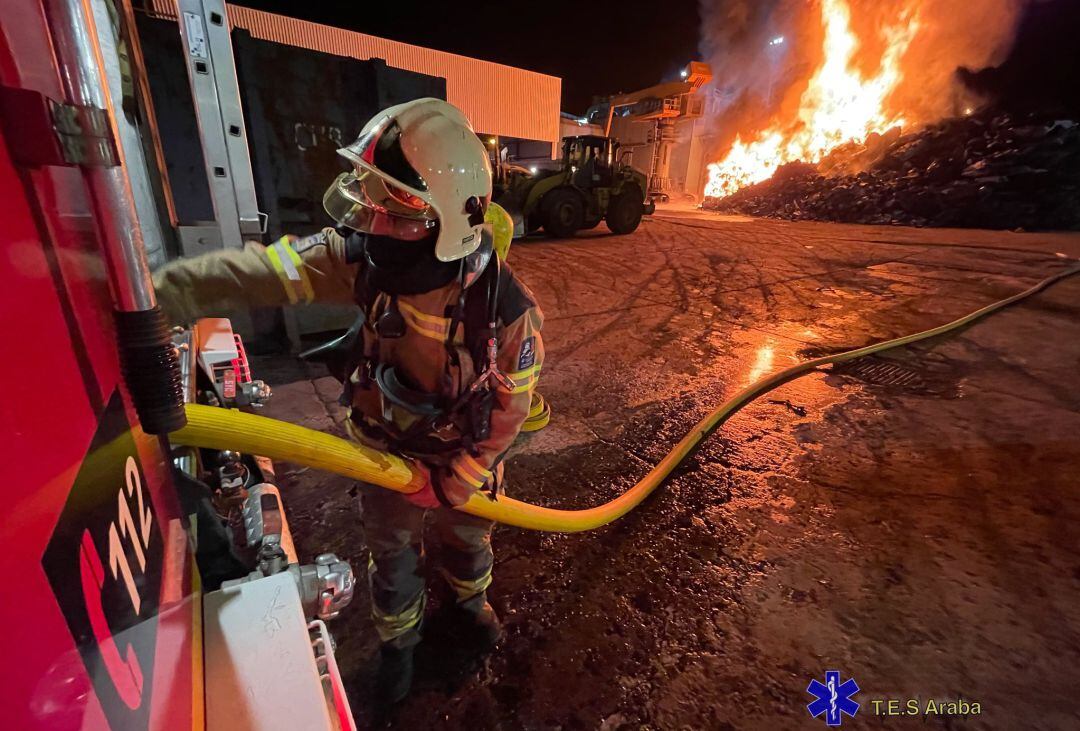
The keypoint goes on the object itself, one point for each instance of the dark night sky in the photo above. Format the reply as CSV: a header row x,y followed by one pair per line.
x,y
596,47
601,47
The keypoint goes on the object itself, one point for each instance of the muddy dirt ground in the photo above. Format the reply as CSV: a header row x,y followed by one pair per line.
x,y
912,521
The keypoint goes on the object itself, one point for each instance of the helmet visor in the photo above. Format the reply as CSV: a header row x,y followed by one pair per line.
x,y
348,202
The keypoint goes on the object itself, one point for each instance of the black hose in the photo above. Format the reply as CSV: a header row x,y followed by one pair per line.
x,y
151,368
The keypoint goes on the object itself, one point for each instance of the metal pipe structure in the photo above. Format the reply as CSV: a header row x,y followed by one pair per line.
x,y
81,68
147,357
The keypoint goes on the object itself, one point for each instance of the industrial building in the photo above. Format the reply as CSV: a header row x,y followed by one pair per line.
x,y
664,131
302,89
685,155
249,109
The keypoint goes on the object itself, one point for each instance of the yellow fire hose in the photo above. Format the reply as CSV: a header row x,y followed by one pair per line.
x,y
218,428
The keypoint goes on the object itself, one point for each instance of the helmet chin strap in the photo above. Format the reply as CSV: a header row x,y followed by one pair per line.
x,y
473,265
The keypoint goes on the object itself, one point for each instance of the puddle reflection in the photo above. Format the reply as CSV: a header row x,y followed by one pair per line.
x,y
763,362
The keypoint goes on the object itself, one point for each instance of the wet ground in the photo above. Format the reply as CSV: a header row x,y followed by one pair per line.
x,y
912,521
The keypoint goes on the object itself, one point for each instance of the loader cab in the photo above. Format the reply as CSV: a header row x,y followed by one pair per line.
x,y
591,184
591,159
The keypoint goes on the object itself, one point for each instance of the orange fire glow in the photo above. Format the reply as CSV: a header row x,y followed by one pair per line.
x,y
838,105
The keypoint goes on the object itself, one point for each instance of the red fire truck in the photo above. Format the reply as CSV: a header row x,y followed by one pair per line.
x,y
147,587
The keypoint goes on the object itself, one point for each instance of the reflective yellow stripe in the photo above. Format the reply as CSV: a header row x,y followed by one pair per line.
x,y
301,268
427,325
421,329
291,271
466,589
526,379
518,375
279,268
537,406
390,626
463,474
478,468
439,322
525,384
471,471
533,371
539,415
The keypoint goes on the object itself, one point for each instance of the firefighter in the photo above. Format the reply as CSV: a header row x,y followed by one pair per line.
x,y
441,365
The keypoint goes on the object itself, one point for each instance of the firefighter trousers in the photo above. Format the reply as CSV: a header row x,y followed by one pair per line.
x,y
394,532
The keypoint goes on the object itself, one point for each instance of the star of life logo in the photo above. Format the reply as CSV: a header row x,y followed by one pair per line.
x,y
833,698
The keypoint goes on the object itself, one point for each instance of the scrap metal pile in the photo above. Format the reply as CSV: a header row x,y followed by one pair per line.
x,y
978,171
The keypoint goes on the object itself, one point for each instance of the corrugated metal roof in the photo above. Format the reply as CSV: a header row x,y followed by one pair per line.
x,y
498,99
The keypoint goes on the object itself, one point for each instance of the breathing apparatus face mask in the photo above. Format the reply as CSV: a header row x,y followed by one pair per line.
x,y
401,244
398,267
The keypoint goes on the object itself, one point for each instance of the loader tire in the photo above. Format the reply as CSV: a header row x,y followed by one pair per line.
x,y
625,211
564,212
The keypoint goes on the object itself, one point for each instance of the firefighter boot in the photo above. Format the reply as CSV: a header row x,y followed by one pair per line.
x,y
480,625
394,678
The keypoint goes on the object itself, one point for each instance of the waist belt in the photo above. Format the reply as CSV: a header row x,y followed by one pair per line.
x,y
424,445
439,427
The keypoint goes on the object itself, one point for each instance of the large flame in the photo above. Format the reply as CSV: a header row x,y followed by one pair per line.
x,y
839,105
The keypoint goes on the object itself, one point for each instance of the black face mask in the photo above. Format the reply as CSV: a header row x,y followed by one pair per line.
x,y
406,267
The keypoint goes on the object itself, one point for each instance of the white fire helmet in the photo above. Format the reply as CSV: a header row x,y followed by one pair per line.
x,y
416,166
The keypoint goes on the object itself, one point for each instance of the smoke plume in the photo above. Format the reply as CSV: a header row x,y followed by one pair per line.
x,y
759,79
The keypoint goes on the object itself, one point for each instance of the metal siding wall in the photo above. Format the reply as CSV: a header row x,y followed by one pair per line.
x,y
497,99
